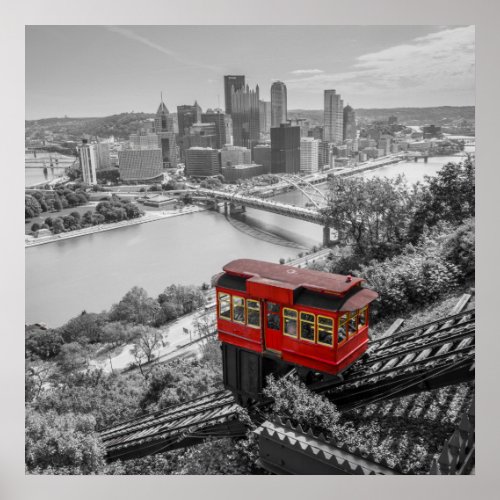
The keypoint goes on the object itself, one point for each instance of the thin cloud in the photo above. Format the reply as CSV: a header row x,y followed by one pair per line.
x,y
443,62
164,50
307,72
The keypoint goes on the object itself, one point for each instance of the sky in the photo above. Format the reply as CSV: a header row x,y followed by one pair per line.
x,y
81,71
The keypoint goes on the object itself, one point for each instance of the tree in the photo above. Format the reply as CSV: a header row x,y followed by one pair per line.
x,y
58,226
85,328
43,343
135,307
31,207
145,348
72,357
58,204
64,444
35,227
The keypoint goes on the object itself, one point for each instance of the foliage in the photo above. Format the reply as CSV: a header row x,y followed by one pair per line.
x,y
177,300
147,343
32,207
72,357
294,401
135,307
108,175
459,248
85,328
64,444
42,343
372,214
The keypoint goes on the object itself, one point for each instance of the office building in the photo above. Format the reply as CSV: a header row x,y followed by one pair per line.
x,y
316,132
103,156
218,118
88,162
325,155
232,83
333,117
309,149
164,129
285,149
202,162
144,140
141,164
262,155
235,155
187,115
384,144
245,114
265,116
349,124
233,173
278,104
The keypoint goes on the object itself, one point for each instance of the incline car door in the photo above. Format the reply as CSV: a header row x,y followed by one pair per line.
x,y
272,323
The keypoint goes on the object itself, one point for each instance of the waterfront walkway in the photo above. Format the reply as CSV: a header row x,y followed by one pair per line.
x,y
31,241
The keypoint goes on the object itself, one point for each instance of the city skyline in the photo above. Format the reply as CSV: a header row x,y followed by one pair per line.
x,y
128,67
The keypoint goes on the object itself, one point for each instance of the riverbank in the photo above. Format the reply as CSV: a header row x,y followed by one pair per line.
x,y
31,241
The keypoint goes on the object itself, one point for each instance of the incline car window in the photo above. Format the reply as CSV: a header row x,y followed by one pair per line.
x,y
342,332
238,309
353,323
253,313
224,305
289,322
325,330
362,317
307,326
273,316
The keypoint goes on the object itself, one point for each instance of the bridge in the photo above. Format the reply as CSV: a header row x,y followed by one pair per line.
x,y
236,202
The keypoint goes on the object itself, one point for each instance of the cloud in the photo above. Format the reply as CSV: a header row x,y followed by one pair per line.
x,y
307,71
131,35
441,62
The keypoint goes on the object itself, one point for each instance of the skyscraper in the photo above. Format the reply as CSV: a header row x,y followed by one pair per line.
x,y
265,116
236,82
88,162
309,149
245,115
349,123
202,162
164,128
187,114
278,104
285,149
218,118
333,117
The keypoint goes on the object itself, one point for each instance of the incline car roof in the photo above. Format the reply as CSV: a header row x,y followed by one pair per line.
x,y
312,280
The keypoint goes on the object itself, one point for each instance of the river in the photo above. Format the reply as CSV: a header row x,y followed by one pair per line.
x,y
93,272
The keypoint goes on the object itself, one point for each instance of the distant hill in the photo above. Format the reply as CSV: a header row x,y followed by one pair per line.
x,y
409,116
123,124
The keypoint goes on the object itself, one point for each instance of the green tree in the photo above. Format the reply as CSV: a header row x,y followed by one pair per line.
x,y
42,343
147,344
58,226
135,307
85,328
35,227
31,207
72,357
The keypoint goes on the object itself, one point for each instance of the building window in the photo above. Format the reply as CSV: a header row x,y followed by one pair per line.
x,y
363,317
342,331
253,313
290,322
239,309
224,305
325,330
307,326
353,323
273,316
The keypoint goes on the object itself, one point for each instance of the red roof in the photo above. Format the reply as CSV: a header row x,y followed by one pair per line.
x,y
312,280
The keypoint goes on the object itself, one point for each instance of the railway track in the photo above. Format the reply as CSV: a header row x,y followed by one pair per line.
x,y
185,424
427,357
430,356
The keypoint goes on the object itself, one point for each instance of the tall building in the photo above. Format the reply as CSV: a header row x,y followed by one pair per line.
x,y
235,155
144,140
202,162
232,82
265,116
278,104
349,124
218,118
228,126
164,129
88,162
187,115
333,117
245,115
285,149
309,149
140,164
103,156
262,155
233,173
325,155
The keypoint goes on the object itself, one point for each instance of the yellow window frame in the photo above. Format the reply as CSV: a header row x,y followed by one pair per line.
x,y
244,309
296,319
313,323
341,324
324,328
220,304
253,309
351,315
363,311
